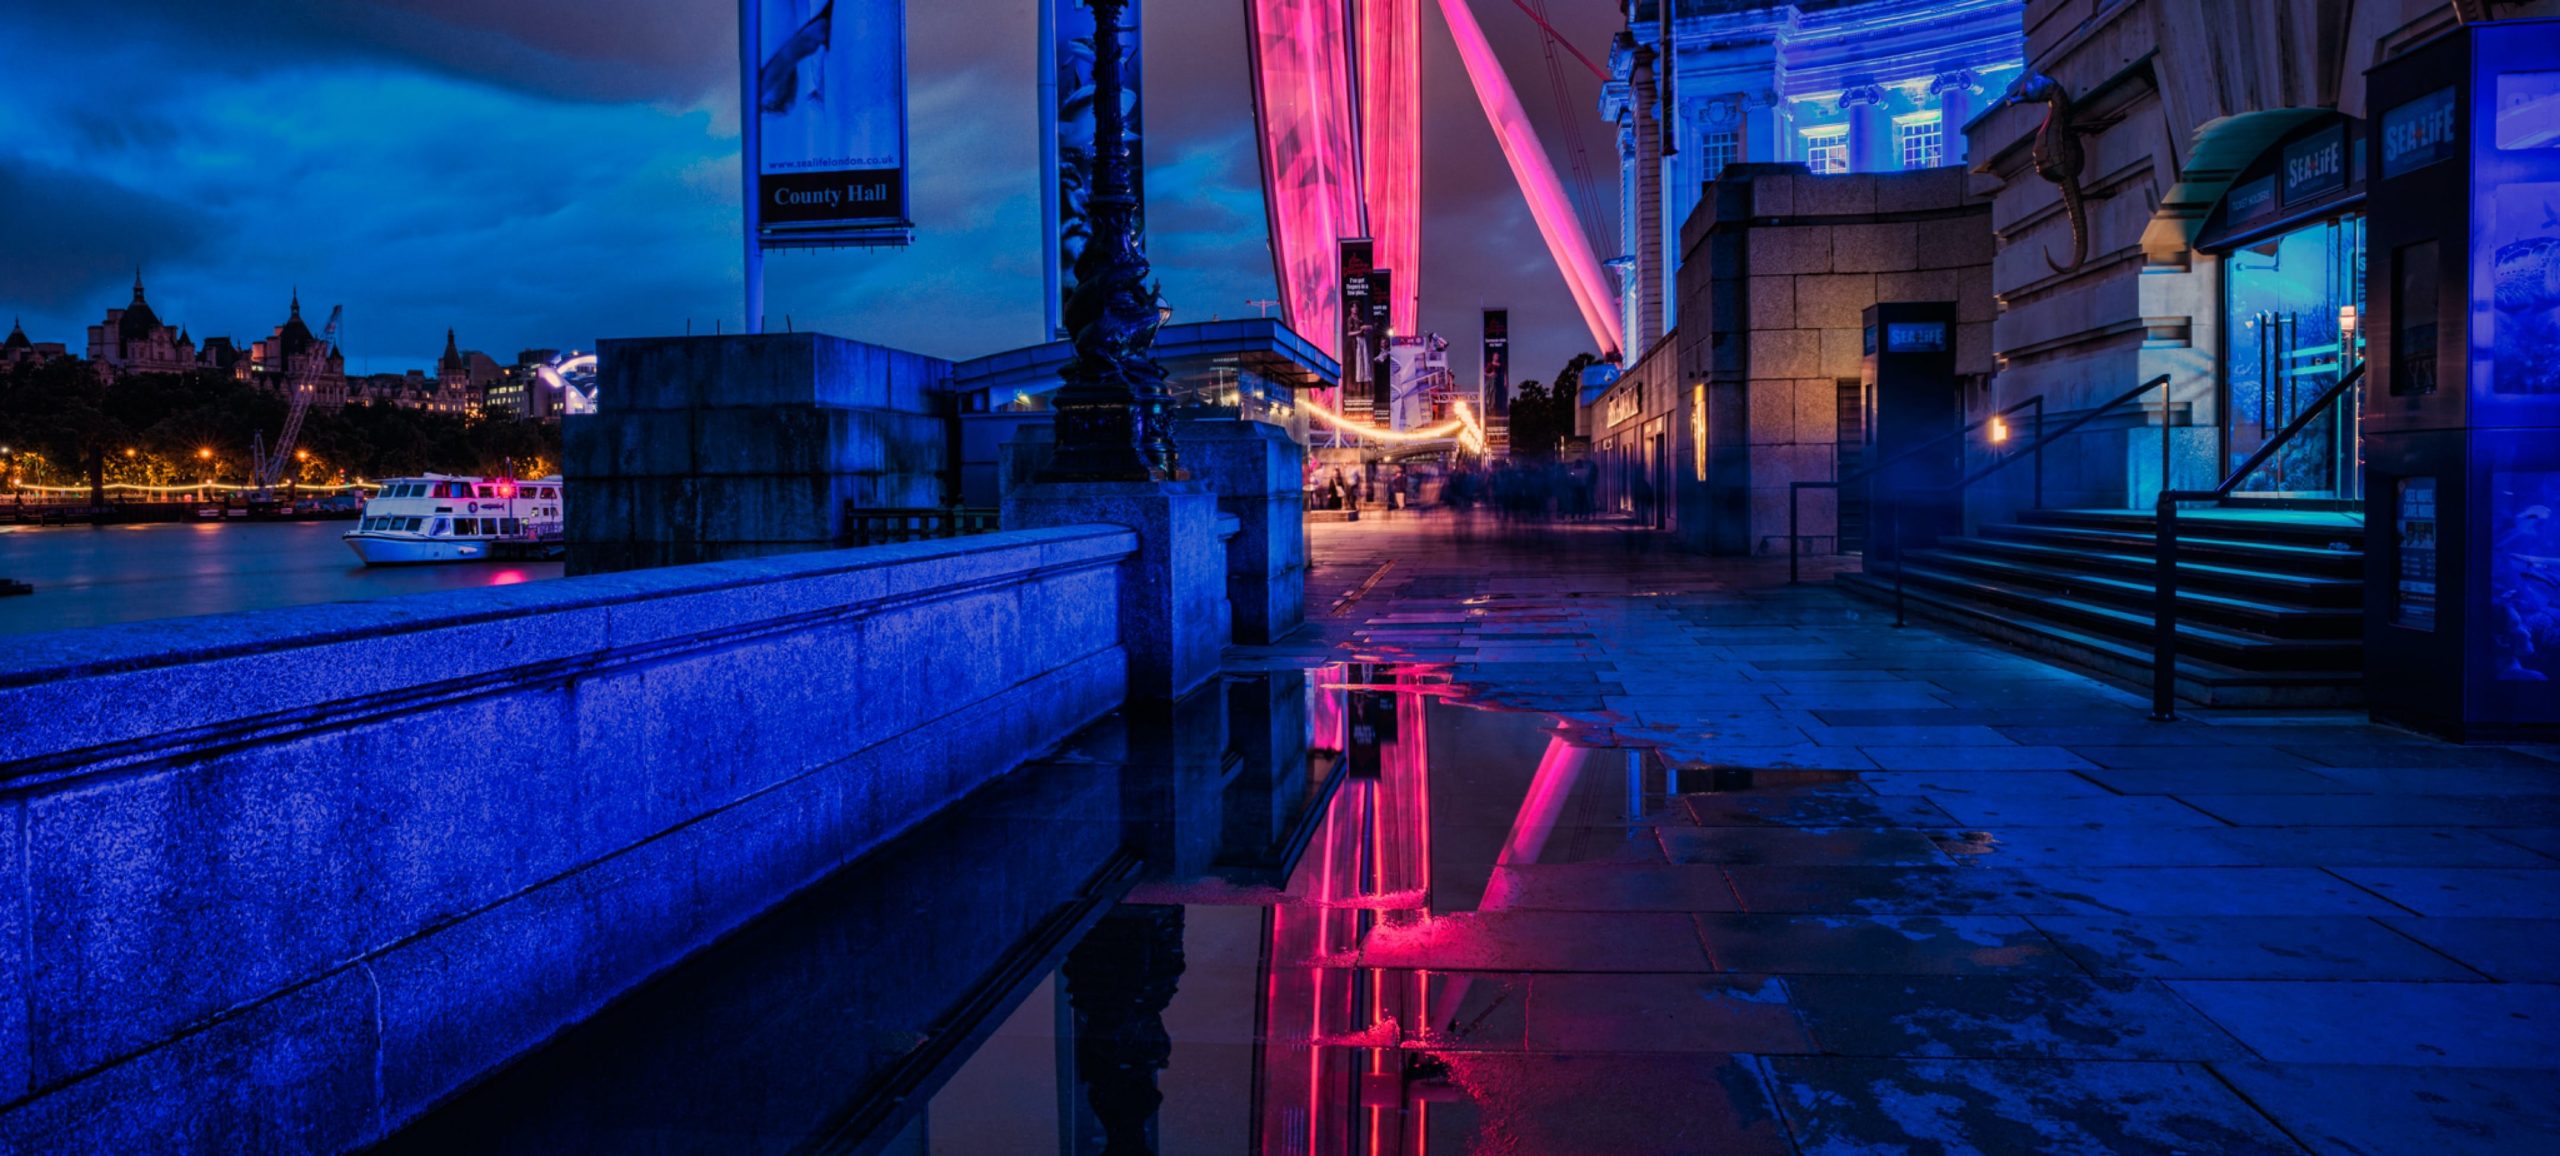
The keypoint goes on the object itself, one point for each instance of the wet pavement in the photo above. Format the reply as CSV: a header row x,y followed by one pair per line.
x,y
1535,842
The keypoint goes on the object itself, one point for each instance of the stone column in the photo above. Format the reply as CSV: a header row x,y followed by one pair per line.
x,y
1764,128
1871,145
1257,473
1954,91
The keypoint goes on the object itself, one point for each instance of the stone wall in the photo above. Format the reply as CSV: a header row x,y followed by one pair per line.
x,y
1779,267
704,449
279,881
2145,76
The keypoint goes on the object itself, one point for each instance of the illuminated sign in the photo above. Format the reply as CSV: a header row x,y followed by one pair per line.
x,y
1915,337
1698,429
1624,407
830,97
2315,165
2418,134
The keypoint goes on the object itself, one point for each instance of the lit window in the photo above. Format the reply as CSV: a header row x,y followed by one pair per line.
x,y
1921,140
1723,147
1827,151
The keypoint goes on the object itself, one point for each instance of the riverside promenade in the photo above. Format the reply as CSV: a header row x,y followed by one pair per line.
x,y
1904,890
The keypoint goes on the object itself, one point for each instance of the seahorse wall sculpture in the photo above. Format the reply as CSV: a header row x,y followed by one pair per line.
x,y
2059,158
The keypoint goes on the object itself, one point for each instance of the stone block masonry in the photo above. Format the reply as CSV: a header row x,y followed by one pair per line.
x,y
712,448
280,881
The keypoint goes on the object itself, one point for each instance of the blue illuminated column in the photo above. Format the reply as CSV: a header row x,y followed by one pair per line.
x,y
1764,127
1954,91
1870,130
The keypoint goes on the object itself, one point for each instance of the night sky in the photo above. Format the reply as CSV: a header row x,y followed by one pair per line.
x,y
541,173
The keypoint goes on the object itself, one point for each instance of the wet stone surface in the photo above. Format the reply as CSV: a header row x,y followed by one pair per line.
x,y
1533,843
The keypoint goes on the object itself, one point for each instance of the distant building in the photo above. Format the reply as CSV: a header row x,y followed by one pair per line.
x,y
218,354
519,392
291,351
1841,86
18,350
132,340
463,377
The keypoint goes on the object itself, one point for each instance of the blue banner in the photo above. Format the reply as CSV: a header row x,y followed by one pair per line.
x,y
829,97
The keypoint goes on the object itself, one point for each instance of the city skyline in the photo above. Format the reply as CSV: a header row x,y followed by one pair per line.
x,y
484,119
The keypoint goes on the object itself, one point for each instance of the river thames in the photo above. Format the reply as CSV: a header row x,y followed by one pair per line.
x,y
90,576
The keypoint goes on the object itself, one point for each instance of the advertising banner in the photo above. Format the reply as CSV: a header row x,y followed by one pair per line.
x,y
1382,299
1067,130
830,147
1496,372
1357,343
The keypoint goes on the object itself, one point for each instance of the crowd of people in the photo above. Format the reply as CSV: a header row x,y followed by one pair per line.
x,y
1514,489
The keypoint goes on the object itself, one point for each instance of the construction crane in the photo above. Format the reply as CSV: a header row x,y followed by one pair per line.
x,y
302,384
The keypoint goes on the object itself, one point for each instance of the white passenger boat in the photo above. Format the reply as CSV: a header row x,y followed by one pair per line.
x,y
448,518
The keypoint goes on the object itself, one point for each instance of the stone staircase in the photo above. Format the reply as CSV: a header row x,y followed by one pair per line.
x,y
2270,599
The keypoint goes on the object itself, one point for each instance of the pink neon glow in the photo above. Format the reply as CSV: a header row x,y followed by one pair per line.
x,y
1391,145
1557,222
1310,166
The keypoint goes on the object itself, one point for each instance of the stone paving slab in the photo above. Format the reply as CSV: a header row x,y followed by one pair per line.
x,y
1610,1105
1879,945
2008,911
1540,941
2249,947
1663,1013
1609,887
2512,950
1841,1106
2458,1025
2458,892
2389,1111
2064,1017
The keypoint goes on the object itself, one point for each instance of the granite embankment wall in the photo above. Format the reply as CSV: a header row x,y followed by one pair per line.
x,y
279,881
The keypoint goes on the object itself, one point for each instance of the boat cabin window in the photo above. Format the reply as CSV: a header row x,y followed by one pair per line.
x,y
441,527
509,526
410,525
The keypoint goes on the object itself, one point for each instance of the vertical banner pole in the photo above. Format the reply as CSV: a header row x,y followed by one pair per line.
x,y
1053,311
751,154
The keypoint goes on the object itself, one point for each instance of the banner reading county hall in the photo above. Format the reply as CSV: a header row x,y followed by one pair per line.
x,y
831,98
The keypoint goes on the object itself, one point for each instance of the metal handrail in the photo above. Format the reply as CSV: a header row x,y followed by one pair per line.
x,y
1795,490
2164,583
1894,520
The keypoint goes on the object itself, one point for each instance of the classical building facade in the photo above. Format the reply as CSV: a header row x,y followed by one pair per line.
x,y
291,352
2212,229
133,340
1841,86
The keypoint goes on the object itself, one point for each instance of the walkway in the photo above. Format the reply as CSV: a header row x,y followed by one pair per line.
x,y
1891,889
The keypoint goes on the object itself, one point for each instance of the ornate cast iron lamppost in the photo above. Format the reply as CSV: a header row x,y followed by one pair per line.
x,y
1113,411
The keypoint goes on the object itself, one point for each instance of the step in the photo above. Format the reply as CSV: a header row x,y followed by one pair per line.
x,y
2198,681
2238,648
2289,528
2272,618
2280,584
2255,555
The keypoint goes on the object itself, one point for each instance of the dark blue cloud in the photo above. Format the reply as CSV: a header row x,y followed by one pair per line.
x,y
547,172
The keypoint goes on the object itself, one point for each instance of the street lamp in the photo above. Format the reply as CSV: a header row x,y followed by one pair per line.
x,y
1113,408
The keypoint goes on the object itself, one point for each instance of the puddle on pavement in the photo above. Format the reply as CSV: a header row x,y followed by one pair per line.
x,y
1298,917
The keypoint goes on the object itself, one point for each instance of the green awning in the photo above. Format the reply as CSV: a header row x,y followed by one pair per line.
x,y
2221,151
